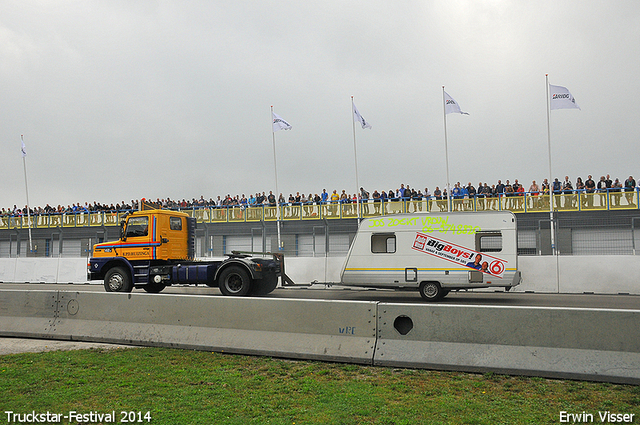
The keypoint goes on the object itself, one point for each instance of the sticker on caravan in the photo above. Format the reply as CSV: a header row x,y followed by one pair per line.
x,y
459,255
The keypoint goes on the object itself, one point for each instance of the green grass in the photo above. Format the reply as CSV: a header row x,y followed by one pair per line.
x,y
195,387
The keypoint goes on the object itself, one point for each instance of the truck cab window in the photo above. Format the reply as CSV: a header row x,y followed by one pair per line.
x,y
488,241
175,223
137,226
383,243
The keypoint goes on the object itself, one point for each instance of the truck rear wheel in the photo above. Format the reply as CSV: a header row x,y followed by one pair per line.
x,y
154,288
117,279
234,280
431,291
266,285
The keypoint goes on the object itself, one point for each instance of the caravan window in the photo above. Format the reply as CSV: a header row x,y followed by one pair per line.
x,y
383,243
488,241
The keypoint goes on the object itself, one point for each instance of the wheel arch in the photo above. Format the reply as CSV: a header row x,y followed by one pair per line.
x,y
235,262
116,262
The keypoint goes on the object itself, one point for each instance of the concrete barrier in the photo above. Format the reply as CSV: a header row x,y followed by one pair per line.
x,y
36,270
72,270
577,274
594,344
28,313
304,329
8,269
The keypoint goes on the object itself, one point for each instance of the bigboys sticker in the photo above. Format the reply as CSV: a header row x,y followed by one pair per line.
x,y
460,255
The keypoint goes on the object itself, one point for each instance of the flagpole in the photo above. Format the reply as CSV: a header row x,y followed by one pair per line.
x,y
275,167
446,151
26,188
355,155
553,239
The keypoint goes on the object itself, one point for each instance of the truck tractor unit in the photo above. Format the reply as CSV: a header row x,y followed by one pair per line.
x,y
156,249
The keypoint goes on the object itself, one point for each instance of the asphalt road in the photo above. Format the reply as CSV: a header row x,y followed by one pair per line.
x,y
500,298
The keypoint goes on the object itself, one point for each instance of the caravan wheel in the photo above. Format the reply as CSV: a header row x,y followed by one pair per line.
x,y
431,291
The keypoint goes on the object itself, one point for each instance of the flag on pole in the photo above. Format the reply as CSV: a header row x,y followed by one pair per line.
x,y
279,123
23,149
561,98
358,118
451,106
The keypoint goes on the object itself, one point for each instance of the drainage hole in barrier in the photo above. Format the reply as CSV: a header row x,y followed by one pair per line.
x,y
403,324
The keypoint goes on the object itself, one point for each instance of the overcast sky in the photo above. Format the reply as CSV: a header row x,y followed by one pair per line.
x,y
119,100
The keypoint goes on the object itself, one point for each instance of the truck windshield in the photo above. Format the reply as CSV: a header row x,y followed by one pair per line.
x,y
137,226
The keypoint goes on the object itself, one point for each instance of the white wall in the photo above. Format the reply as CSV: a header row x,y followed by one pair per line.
x,y
601,274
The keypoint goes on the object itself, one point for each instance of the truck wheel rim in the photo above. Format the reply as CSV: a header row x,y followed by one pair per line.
x,y
233,283
116,282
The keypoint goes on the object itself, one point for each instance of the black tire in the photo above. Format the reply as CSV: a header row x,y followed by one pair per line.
x,y
118,279
154,288
431,291
264,286
234,281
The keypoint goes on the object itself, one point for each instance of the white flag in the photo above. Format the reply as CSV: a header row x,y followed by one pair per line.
x,y
23,149
451,106
561,98
358,118
279,123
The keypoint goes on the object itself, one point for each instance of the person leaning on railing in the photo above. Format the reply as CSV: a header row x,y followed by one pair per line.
x,y
534,191
616,188
364,196
384,200
629,188
590,188
602,190
471,193
580,190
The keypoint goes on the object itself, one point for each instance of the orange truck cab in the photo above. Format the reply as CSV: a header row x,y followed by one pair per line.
x,y
156,249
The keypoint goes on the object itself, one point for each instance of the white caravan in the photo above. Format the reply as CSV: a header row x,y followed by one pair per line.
x,y
435,252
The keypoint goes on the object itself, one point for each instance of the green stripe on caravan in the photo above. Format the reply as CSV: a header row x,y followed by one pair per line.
x,y
427,224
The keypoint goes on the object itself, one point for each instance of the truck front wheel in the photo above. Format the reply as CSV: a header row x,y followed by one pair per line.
x,y
431,291
117,279
234,281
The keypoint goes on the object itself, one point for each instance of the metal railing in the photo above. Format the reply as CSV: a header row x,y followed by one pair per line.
x,y
518,203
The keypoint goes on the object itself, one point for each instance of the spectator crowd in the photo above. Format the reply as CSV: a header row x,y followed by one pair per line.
x,y
483,192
